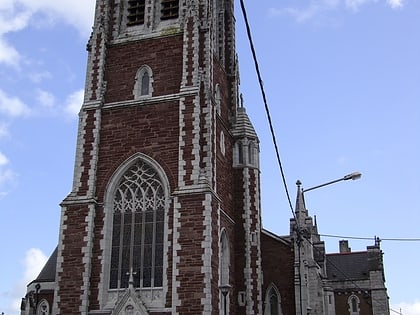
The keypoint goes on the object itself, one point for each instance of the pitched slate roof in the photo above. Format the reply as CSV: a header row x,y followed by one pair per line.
x,y
348,266
47,273
243,126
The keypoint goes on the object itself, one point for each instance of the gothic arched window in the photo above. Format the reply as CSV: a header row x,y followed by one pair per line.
x,y
138,228
144,82
224,266
272,301
224,259
353,303
43,308
217,99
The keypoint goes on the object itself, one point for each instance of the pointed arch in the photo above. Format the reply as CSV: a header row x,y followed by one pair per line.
x,y
224,258
43,308
143,86
272,301
224,270
138,193
354,304
217,98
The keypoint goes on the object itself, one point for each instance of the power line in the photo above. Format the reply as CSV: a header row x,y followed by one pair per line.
x,y
395,239
275,142
257,69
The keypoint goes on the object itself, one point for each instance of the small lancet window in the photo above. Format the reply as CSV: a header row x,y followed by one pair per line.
x,y
217,98
353,303
273,301
251,153
43,308
135,12
143,85
240,153
169,9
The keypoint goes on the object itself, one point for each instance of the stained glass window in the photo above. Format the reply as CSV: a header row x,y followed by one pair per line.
x,y
138,228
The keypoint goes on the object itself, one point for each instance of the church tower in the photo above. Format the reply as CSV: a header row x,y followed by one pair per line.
x,y
165,208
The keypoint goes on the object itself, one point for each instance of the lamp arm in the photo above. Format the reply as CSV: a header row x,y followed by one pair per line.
x,y
322,185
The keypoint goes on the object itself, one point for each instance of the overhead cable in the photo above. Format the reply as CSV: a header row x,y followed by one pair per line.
x,y
257,69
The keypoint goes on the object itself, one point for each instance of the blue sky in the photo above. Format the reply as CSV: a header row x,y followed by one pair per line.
x,y
342,80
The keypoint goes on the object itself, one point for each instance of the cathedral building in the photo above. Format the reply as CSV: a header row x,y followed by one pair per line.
x,y
164,214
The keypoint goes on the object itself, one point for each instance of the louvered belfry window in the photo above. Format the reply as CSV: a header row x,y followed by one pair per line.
x,y
138,229
169,9
135,12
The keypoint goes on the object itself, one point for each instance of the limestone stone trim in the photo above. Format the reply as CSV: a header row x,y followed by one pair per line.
x,y
59,269
175,257
78,169
206,244
87,259
247,230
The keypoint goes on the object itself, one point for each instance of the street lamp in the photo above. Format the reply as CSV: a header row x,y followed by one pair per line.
x,y
225,290
300,231
352,176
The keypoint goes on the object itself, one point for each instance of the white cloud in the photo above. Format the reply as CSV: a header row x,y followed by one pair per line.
x,y
7,176
16,15
308,12
37,77
395,3
45,99
356,4
74,103
10,21
12,106
33,263
315,8
8,54
3,159
408,308
76,13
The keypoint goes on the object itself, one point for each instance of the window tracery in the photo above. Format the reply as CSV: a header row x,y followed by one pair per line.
x,y
138,229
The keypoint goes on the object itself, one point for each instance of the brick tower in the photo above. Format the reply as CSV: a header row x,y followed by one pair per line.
x,y
165,208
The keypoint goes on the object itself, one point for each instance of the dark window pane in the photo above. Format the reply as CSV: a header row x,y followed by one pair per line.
x,y
147,259
145,84
135,12
113,281
149,216
115,257
169,9
159,255
116,235
147,277
125,273
148,234
158,276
